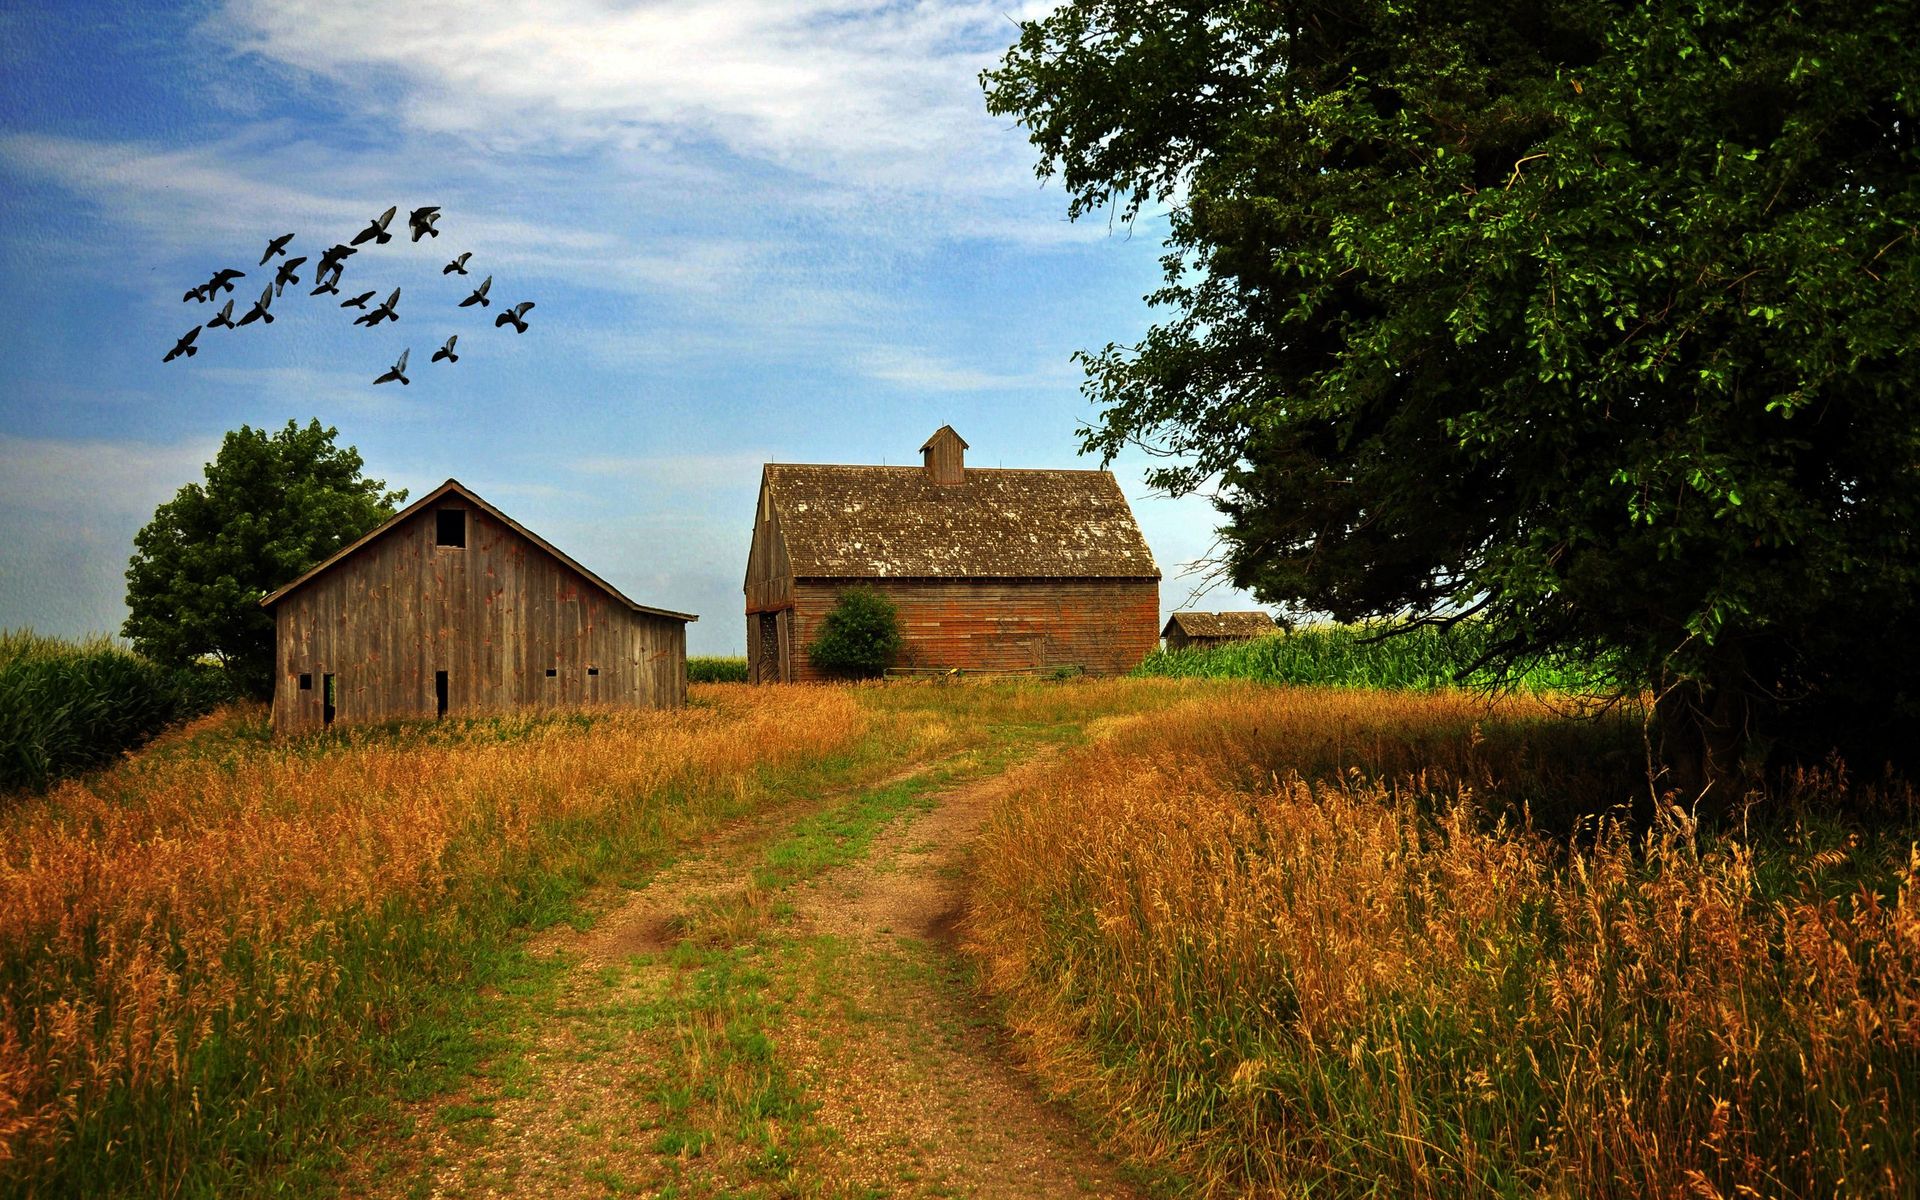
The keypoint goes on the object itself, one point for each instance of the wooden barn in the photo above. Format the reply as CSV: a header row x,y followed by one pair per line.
x,y
453,607
1210,629
991,569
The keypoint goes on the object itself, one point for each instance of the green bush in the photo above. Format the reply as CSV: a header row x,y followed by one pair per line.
x,y
860,637
716,670
67,706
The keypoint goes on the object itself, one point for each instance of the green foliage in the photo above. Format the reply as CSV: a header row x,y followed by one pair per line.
x,y
67,706
716,670
1423,658
272,506
1594,319
859,637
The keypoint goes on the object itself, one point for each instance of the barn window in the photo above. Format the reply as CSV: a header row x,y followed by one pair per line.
x,y
593,670
306,683
552,671
440,692
450,527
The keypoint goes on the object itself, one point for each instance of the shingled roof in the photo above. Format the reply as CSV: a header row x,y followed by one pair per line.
x,y
852,522
1222,625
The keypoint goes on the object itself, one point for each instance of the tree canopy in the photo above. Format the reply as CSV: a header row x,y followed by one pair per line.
x,y
272,506
1593,320
859,636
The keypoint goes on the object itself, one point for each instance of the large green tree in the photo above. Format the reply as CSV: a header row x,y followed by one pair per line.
x,y
272,506
1594,320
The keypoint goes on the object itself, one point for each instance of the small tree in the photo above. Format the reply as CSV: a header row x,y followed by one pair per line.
x,y
860,637
272,506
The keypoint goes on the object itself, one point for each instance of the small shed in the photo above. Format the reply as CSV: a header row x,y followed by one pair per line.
x,y
1185,629
454,607
991,569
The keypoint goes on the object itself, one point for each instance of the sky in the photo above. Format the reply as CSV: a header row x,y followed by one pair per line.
x,y
753,231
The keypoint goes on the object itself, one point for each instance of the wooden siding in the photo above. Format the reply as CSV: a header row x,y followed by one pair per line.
x,y
1104,626
495,615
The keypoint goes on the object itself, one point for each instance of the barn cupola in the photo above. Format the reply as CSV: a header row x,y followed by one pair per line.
x,y
945,456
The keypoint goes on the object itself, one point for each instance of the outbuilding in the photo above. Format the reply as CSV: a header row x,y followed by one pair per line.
x,y
452,607
991,569
1185,629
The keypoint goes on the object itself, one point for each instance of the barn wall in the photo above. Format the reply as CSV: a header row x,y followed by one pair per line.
x,y
495,615
1106,626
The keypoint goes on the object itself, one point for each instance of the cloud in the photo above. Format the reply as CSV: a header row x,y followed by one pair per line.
x,y
930,373
885,94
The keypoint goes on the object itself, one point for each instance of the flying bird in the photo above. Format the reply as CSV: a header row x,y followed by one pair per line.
x,y
223,279
359,302
459,265
259,310
334,256
329,286
222,319
515,316
421,220
479,294
446,351
286,274
200,293
276,246
399,370
377,231
384,313
185,346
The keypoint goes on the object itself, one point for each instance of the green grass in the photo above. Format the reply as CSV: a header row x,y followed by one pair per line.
x,y
1396,658
67,706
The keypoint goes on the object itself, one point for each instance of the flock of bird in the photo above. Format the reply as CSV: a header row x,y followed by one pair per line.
x,y
326,277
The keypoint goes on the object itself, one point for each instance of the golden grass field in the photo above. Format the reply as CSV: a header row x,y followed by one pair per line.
x,y
1280,974
1276,941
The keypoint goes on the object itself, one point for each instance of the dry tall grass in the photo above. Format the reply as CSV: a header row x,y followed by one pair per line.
x,y
1323,982
187,938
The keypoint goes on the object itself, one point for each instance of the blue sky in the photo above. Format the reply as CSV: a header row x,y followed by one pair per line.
x,y
782,231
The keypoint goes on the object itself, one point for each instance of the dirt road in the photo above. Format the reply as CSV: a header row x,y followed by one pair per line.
x,y
780,1014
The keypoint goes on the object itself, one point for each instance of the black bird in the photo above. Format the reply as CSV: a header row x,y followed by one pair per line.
x,y
259,310
222,319
184,346
200,293
329,286
446,351
223,279
458,266
359,302
286,275
399,370
332,259
515,316
384,313
479,294
421,220
276,246
377,231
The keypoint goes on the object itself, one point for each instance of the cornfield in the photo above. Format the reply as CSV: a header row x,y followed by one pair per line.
x,y
1279,973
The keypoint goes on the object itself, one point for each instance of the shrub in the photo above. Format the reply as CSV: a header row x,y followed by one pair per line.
x,y
860,637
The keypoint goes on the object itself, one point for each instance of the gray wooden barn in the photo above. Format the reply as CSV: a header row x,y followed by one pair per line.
x,y
1185,629
452,607
991,569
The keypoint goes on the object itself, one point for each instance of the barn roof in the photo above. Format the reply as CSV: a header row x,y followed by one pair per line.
x,y
1221,625
455,487
854,522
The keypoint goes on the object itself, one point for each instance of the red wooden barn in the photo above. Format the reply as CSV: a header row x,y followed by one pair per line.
x,y
454,607
991,569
